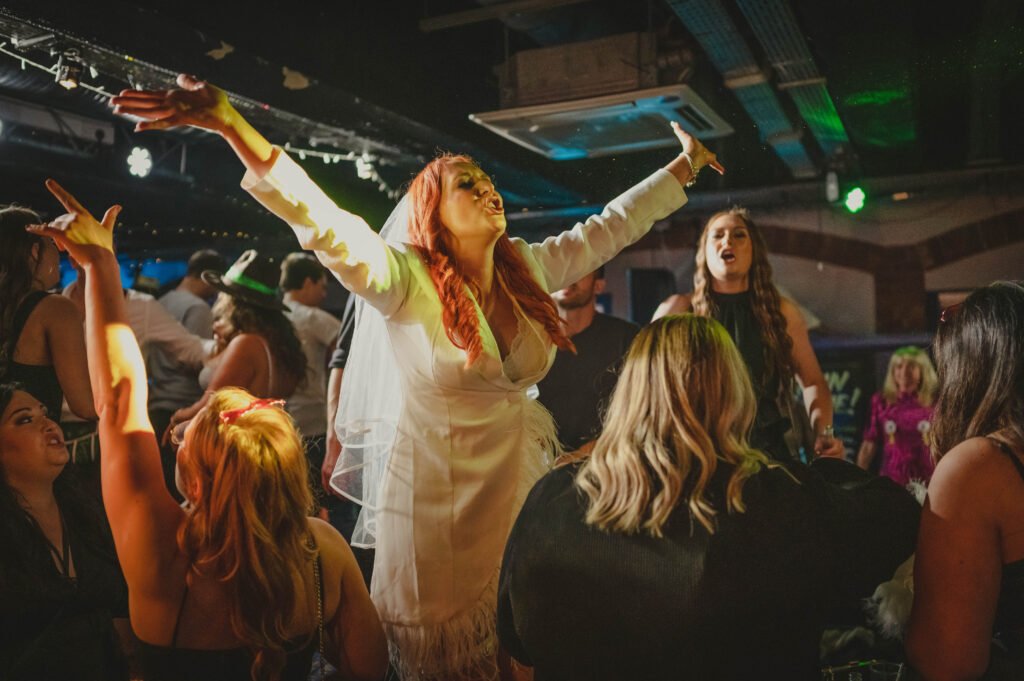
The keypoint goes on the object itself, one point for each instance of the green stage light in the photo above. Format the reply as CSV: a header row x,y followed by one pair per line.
x,y
854,199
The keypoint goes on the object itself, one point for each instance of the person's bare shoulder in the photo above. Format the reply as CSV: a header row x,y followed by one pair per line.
x,y
677,303
975,475
59,308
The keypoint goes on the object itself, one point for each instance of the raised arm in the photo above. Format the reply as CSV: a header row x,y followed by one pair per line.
x,y
343,242
573,254
142,513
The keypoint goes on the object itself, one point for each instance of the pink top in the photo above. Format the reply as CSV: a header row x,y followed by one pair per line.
x,y
904,430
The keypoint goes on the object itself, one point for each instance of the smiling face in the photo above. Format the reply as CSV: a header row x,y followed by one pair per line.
x,y
907,376
471,210
32,448
728,250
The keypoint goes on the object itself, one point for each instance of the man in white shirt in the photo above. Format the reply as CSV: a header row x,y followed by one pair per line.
x,y
304,283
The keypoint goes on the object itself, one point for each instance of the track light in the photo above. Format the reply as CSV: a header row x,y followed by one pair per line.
x,y
140,162
69,70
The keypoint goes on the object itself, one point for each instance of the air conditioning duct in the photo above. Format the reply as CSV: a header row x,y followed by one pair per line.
x,y
598,97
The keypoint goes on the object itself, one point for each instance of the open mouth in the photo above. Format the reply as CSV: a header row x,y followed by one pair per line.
x,y
55,441
728,257
494,206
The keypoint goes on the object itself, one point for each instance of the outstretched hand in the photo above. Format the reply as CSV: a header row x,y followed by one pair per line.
x,y
698,153
77,231
195,102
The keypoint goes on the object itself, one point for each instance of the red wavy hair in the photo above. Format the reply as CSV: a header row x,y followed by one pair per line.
x,y
430,237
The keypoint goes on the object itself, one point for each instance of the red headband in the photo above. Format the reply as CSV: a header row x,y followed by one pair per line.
x,y
232,415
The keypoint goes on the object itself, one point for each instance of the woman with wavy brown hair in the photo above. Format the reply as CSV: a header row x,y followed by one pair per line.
x,y
256,346
238,583
967,620
677,549
466,311
733,283
41,339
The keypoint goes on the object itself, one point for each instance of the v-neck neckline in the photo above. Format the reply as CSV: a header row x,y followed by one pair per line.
x,y
488,339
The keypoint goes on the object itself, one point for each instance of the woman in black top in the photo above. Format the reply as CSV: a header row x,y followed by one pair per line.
x,y
239,583
677,551
732,282
41,338
60,583
968,616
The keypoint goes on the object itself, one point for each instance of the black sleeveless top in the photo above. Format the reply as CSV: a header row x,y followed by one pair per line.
x,y
39,380
170,663
735,312
1009,622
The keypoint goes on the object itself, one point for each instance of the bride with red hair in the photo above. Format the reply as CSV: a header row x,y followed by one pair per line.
x,y
467,313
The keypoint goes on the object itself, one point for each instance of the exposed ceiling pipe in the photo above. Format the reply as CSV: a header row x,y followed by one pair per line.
x,y
785,47
711,25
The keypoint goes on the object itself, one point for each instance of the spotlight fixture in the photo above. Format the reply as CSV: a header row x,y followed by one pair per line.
x,y
364,169
854,199
69,70
140,162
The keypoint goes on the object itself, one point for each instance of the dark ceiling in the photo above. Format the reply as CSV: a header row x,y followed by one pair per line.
x,y
918,86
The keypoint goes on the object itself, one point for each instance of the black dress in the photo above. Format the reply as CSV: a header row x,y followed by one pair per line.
x,y
1007,658
54,627
735,313
747,602
39,380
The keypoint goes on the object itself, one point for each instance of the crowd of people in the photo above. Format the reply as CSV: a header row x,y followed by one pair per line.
x,y
543,490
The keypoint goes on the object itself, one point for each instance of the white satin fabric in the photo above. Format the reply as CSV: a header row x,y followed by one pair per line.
x,y
466,448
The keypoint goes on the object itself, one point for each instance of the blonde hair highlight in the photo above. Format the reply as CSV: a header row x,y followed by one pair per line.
x,y
248,527
929,379
683,403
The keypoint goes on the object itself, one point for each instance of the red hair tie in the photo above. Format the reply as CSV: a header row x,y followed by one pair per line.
x,y
232,415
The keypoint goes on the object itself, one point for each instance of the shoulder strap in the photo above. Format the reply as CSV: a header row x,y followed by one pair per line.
x,y
177,619
28,304
318,585
270,365
1009,452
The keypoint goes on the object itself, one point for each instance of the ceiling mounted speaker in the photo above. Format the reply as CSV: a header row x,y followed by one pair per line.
x,y
610,124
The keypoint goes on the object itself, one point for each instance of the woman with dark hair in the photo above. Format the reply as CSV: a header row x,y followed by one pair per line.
x,y
41,338
256,346
467,313
239,584
60,584
733,284
967,620
677,550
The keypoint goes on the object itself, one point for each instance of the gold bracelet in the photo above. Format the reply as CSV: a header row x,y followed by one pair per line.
x,y
693,170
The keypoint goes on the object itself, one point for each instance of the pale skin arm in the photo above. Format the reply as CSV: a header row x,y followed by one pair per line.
x,y
866,454
143,515
66,340
958,565
817,396
199,105
355,641
237,369
677,303
333,444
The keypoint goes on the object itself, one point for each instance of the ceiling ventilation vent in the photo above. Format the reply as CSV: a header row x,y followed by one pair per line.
x,y
610,124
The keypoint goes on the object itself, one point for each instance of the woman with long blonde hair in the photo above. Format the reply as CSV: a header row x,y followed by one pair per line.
x,y
732,283
465,325
677,549
901,415
240,583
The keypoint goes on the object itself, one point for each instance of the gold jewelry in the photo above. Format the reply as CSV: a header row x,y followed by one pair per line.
x,y
693,169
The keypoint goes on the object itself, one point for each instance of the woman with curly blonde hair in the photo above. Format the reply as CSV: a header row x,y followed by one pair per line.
x,y
240,583
677,550
733,284
901,415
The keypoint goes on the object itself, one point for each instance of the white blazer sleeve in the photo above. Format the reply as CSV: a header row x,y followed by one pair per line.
x,y
575,253
343,242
